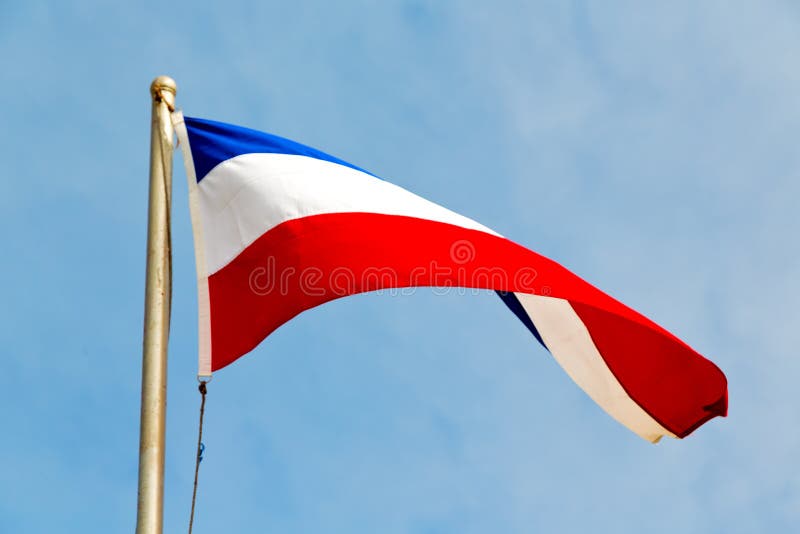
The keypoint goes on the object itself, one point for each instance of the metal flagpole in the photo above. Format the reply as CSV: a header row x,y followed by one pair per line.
x,y
158,294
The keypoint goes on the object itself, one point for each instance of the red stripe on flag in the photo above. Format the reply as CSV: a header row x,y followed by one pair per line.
x,y
305,262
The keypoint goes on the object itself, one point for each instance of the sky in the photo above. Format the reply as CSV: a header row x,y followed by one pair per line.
x,y
650,148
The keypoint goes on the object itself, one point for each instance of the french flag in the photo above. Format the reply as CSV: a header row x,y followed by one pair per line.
x,y
280,227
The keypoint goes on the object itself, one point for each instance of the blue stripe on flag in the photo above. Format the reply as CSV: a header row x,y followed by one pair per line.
x,y
513,303
213,142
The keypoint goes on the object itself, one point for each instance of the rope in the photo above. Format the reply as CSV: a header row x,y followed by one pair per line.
x,y
200,449
160,97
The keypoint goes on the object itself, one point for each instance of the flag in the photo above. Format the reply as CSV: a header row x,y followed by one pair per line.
x,y
280,228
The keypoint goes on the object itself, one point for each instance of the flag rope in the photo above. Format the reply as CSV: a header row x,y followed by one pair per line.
x,y
200,448
159,93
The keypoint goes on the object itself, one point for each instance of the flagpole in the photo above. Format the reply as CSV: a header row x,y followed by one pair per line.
x,y
158,295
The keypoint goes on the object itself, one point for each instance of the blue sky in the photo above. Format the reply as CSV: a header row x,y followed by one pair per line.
x,y
651,149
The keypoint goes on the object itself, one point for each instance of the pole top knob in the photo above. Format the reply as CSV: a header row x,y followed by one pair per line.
x,y
164,87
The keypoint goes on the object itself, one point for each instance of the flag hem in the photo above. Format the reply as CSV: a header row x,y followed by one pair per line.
x,y
203,302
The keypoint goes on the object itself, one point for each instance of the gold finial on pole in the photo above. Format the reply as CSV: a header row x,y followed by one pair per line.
x,y
158,296
164,88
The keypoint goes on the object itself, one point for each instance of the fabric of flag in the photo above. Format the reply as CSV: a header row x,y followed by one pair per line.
x,y
281,227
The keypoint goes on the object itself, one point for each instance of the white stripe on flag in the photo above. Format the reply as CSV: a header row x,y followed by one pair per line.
x,y
246,196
